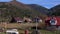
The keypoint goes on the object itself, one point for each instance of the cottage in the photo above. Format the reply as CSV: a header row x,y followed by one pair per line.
x,y
47,21
13,20
28,20
19,20
55,24
40,20
16,20
37,19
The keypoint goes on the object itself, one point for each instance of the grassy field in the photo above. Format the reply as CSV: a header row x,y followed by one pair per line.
x,y
26,25
49,32
41,31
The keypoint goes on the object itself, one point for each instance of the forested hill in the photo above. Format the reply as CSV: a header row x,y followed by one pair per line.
x,y
15,8
56,10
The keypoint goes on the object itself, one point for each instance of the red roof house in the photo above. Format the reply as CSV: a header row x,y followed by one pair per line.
x,y
58,21
56,18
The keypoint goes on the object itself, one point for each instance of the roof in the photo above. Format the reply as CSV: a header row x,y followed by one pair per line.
x,y
57,18
58,21
18,18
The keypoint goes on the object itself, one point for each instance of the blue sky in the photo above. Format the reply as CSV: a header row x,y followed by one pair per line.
x,y
45,3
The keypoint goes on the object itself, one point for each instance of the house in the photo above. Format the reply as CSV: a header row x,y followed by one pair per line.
x,y
47,21
19,20
16,20
28,20
37,19
40,20
13,20
57,23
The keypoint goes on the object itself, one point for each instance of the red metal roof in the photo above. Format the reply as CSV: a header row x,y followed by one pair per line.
x,y
58,21
56,18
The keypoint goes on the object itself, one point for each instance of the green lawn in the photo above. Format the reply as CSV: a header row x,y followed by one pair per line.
x,y
2,33
22,26
49,32
41,31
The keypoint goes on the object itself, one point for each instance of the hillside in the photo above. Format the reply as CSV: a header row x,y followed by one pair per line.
x,y
56,10
16,9
39,8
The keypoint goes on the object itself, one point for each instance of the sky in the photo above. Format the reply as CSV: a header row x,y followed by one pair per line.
x,y
45,3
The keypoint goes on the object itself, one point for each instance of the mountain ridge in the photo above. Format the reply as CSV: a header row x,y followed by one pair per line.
x,y
56,10
18,7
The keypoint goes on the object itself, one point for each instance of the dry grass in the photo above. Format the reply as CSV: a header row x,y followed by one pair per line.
x,y
17,25
25,25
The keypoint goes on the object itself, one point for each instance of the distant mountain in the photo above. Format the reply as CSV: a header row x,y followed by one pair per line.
x,y
17,9
19,5
32,7
56,10
39,8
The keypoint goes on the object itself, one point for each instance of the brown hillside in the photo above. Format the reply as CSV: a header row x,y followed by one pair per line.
x,y
19,5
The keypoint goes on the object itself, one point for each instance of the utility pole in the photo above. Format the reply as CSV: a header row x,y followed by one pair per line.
x,y
36,30
37,26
